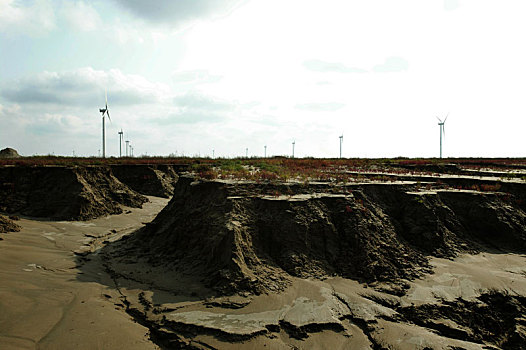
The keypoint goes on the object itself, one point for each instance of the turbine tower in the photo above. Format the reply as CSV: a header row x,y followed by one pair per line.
x,y
265,151
293,144
127,145
121,137
442,131
105,111
341,141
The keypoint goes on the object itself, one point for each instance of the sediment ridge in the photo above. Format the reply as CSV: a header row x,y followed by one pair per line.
x,y
243,236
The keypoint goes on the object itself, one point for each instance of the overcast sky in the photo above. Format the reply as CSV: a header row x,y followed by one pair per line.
x,y
192,76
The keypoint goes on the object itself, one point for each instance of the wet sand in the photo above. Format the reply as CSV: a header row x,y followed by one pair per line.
x,y
44,305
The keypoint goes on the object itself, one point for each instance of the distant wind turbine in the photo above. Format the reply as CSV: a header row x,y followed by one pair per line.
x,y
105,111
121,137
265,151
293,144
127,145
442,131
341,141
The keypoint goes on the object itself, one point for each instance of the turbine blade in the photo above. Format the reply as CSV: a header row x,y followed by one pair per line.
x,y
444,130
108,113
439,119
446,117
106,94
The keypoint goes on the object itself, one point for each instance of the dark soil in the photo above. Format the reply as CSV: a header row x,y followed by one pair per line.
x,y
7,225
150,180
496,318
64,193
237,239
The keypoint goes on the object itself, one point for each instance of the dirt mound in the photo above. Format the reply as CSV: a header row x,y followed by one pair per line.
x,y
496,318
64,193
9,153
236,237
151,180
8,225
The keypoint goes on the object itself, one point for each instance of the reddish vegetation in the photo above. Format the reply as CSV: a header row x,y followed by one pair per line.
x,y
300,169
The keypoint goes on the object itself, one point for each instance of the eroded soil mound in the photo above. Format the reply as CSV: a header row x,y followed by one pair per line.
x,y
9,153
64,193
8,225
237,237
150,180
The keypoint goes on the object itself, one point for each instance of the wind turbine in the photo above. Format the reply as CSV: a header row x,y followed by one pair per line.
x,y
127,145
121,137
442,131
341,141
265,151
293,144
246,152
104,111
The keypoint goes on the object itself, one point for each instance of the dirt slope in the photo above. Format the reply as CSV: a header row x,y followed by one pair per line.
x,y
239,238
149,180
64,193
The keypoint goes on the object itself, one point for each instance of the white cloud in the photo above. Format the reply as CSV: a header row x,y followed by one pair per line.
x,y
195,76
85,86
392,64
450,5
81,16
337,67
34,19
320,107
175,13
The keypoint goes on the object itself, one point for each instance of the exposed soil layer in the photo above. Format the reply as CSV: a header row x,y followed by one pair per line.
x,y
237,237
8,225
64,193
496,317
149,180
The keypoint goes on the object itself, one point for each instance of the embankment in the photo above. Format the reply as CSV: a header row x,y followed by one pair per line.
x,y
244,236
149,180
64,193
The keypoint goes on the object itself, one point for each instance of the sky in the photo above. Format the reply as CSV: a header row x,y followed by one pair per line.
x,y
208,77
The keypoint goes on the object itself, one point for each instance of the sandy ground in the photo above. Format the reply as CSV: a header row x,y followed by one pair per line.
x,y
55,293
343,314
43,303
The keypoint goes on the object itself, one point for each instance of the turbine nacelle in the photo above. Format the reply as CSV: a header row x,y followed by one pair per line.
x,y
105,111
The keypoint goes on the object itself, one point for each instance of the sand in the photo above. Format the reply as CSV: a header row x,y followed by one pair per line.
x,y
60,290
44,305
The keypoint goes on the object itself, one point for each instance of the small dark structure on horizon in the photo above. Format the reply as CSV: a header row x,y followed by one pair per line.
x,y
9,153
